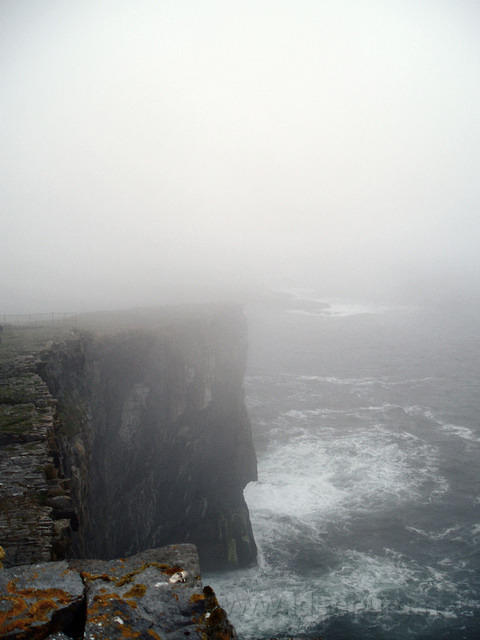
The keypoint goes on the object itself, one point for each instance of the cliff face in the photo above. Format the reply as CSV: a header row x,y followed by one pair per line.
x,y
36,513
153,433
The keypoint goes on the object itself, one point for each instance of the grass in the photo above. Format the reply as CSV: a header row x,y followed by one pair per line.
x,y
16,418
27,340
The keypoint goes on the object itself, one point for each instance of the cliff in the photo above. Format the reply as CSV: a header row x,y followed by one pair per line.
x,y
148,441
36,512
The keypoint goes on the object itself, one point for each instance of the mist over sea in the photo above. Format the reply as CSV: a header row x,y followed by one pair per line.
x,y
367,507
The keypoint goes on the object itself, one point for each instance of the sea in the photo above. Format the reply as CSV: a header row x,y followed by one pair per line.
x,y
366,512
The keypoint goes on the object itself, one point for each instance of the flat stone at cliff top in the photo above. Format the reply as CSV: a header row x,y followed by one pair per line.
x,y
155,594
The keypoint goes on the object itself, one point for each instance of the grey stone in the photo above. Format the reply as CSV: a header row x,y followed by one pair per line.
x,y
155,594
36,600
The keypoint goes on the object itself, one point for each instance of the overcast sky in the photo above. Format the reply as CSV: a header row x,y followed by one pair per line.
x,y
152,146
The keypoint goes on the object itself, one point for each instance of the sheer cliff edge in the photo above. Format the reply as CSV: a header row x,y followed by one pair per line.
x,y
134,434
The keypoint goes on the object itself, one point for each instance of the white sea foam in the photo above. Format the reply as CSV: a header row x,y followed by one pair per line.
x,y
343,309
356,411
460,431
424,611
344,455
290,482
383,382
315,474
434,535
331,307
266,602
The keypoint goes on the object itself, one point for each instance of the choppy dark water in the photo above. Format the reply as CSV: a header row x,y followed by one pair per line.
x,y
367,508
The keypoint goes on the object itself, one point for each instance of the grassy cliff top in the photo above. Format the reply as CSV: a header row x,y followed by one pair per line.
x,y
30,339
23,340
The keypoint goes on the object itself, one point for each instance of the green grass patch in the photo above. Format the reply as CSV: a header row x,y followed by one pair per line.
x,y
16,418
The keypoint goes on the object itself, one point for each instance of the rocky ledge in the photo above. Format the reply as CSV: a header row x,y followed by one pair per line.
x,y
155,594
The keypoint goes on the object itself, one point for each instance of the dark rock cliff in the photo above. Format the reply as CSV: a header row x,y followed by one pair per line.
x,y
152,432
36,512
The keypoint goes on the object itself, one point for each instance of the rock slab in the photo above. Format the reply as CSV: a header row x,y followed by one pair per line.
x,y
36,600
155,594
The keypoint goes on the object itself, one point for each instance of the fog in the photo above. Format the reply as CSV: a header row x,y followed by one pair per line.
x,y
161,150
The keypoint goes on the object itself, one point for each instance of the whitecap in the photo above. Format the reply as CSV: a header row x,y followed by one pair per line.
x,y
460,431
434,535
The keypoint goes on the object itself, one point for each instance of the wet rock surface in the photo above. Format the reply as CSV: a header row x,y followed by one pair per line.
x,y
155,594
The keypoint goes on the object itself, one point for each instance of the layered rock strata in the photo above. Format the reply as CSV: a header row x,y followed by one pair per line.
x,y
35,504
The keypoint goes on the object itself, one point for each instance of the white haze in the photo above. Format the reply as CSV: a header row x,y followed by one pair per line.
x,y
159,150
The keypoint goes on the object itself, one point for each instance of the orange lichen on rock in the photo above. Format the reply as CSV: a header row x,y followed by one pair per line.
x,y
40,609
96,576
137,591
154,634
126,632
100,601
18,605
29,606
164,568
197,597
12,586
119,581
61,596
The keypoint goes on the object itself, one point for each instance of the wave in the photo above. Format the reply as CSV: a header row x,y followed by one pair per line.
x,y
311,474
296,380
268,602
435,535
350,465
330,307
338,310
384,381
460,431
